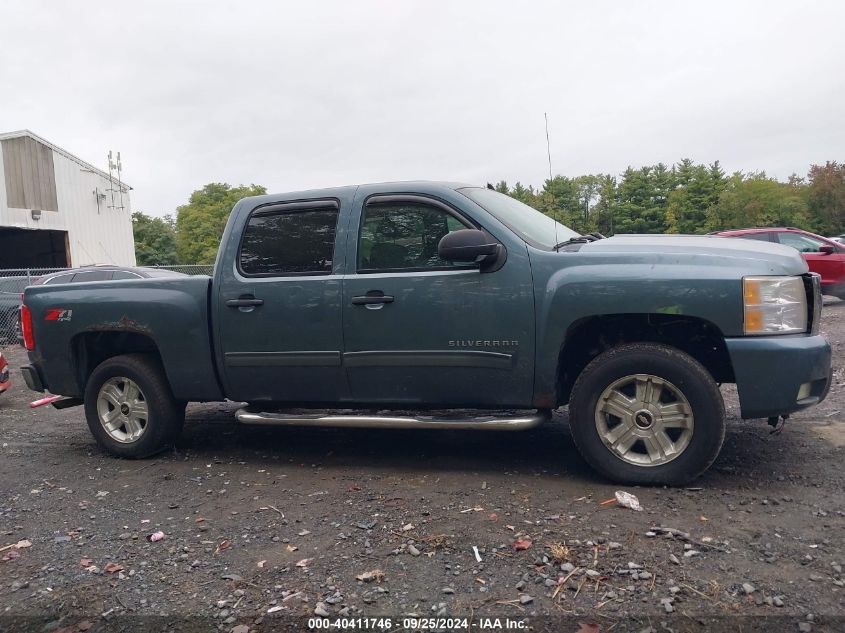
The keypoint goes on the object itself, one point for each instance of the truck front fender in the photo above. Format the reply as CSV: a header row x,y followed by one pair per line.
x,y
575,293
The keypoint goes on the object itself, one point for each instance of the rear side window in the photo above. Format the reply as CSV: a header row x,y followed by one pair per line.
x,y
293,241
125,274
60,279
92,275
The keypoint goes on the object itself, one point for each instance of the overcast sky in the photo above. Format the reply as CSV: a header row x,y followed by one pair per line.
x,y
312,94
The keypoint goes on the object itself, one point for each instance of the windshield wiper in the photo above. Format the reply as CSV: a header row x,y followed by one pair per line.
x,y
581,239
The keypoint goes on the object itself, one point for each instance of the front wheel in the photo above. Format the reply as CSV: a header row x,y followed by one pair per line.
x,y
645,413
130,409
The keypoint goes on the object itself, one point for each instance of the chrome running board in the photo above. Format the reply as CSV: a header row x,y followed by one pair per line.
x,y
368,421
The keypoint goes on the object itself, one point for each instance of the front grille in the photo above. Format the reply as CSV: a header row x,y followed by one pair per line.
x,y
813,287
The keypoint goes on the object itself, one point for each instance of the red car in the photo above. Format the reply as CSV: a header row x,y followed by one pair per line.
x,y
5,380
823,256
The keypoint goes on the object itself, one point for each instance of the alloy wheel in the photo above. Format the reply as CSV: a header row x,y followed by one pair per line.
x,y
644,420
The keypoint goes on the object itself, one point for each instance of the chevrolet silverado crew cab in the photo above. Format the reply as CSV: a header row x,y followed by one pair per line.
x,y
457,303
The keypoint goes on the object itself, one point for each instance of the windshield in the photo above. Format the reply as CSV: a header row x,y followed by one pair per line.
x,y
532,226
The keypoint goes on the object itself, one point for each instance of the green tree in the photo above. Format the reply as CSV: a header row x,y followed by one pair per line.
x,y
589,188
697,189
641,205
756,200
690,198
155,240
560,199
523,194
605,207
717,183
200,223
826,197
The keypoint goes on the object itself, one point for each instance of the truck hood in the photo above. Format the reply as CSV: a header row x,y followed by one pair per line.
x,y
758,257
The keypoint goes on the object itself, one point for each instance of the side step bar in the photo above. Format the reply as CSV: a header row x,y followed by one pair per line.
x,y
366,421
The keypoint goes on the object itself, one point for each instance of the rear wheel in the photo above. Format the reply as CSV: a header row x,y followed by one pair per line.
x,y
129,406
645,413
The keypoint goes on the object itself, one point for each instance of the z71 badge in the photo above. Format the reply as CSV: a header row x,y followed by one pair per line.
x,y
58,314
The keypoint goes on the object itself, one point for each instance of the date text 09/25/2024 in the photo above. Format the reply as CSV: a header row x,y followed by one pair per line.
x,y
416,624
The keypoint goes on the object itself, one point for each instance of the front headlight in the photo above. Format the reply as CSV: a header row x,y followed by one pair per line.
x,y
774,305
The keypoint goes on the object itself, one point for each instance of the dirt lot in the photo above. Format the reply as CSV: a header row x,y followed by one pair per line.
x,y
264,526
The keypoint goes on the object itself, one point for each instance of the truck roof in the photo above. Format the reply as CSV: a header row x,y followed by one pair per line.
x,y
417,186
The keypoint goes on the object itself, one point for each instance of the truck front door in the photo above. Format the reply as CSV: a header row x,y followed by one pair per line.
x,y
420,330
278,306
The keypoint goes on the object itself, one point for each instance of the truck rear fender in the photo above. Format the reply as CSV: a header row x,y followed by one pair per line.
x,y
92,348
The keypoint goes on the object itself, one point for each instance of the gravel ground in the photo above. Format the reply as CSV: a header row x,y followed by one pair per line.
x,y
264,527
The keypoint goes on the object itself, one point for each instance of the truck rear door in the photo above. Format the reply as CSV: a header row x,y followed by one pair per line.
x,y
278,305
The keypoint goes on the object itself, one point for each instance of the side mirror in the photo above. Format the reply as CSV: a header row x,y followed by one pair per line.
x,y
826,249
469,245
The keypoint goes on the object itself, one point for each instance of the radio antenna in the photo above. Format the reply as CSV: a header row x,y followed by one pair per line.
x,y
548,146
549,153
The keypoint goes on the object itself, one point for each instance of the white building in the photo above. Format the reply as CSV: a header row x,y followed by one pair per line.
x,y
57,210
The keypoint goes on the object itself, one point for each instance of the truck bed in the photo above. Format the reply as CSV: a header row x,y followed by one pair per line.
x,y
74,323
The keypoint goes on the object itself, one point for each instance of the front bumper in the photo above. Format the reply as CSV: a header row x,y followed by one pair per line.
x,y
776,375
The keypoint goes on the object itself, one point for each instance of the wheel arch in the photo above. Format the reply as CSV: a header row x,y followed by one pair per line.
x,y
89,349
588,337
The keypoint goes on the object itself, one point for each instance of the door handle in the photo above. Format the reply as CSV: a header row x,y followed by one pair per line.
x,y
371,299
244,302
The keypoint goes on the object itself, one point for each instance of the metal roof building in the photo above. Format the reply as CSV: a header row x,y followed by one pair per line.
x,y
58,210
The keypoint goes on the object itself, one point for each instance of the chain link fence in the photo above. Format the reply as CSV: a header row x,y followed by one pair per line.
x,y
14,280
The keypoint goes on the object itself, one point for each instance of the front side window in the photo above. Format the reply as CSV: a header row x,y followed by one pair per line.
x,y
295,242
762,237
404,235
802,243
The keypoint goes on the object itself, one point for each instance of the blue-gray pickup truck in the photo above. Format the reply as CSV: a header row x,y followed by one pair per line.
x,y
455,302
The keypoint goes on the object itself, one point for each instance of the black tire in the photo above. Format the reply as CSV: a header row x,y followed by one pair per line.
x,y
165,415
686,375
